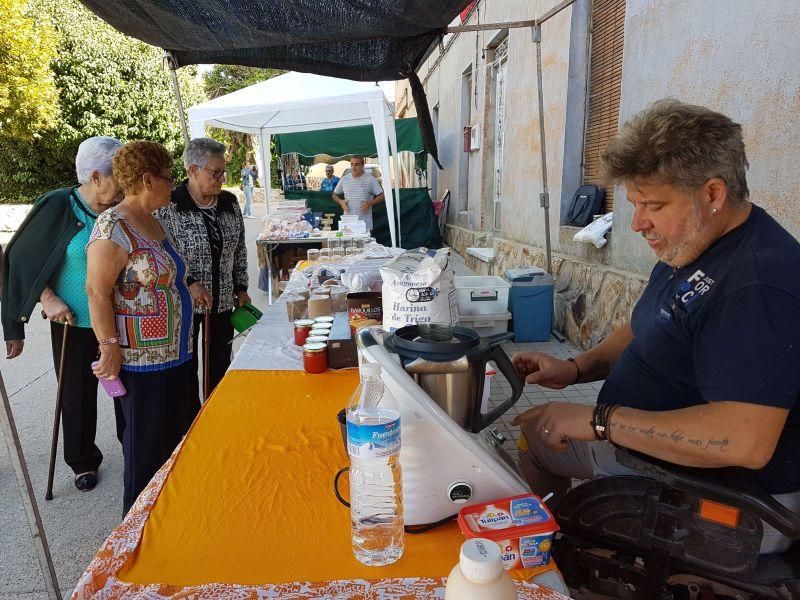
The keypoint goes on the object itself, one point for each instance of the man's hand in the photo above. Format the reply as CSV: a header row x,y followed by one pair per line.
x,y
200,295
14,348
365,207
55,308
545,370
559,422
242,297
110,362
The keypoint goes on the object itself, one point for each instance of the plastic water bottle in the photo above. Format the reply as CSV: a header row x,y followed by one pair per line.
x,y
376,492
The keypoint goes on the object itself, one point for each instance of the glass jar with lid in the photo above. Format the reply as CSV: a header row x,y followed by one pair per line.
x,y
315,357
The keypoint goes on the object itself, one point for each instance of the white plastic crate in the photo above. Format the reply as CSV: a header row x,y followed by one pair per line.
x,y
486,325
482,295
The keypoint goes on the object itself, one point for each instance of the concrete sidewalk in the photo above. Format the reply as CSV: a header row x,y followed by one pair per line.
x,y
77,523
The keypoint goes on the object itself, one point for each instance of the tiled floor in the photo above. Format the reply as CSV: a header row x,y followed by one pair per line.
x,y
584,393
533,395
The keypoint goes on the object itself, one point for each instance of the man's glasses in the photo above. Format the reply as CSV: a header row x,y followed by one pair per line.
x,y
219,174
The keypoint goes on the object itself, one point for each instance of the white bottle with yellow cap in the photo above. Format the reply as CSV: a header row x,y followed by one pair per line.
x,y
479,575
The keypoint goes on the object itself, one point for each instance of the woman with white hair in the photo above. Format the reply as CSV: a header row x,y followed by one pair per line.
x,y
206,223
45,262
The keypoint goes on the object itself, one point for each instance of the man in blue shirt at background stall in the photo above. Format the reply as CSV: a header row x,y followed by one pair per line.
x,y
330,181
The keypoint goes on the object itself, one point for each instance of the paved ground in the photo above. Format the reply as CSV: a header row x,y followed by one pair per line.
x,y
585,393
77,523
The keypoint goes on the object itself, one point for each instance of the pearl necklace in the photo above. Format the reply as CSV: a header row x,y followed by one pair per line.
x,y
200,204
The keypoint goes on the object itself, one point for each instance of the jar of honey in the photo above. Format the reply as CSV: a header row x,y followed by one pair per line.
x,y
315,357
302,327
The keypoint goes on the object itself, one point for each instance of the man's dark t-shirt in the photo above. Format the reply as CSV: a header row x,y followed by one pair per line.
x,y
725,328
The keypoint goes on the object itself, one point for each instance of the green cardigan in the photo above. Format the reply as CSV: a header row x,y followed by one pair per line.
x,y
32,256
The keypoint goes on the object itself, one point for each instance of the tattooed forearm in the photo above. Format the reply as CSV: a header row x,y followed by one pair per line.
x,y
677,436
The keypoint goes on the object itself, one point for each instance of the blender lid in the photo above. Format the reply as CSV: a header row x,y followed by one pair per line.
x,y
434,341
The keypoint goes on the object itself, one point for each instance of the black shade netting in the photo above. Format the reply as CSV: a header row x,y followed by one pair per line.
x,y
362,40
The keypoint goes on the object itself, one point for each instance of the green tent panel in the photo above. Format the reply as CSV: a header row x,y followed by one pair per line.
x,y
339,142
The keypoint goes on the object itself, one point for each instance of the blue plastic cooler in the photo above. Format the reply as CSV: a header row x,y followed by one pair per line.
x,y
531,304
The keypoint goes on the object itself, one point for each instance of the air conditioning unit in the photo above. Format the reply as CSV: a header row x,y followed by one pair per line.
x,y
475,137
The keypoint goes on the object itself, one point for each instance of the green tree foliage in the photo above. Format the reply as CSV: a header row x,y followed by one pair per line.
x,y
109,84
28,96
224,79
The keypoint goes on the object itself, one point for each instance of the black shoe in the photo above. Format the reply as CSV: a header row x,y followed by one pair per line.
x,y
86,482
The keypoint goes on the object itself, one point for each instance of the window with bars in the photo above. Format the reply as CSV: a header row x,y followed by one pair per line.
x,y
603,93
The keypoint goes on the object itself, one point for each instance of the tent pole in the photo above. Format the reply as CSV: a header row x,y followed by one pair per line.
x,y
26,492
170,61
544,197
265,140
396,165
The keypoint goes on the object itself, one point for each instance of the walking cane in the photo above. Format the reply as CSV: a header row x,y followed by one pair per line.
x,y
57,418
206,353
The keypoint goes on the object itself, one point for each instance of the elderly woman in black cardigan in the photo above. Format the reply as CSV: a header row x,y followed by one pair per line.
x,y
206,224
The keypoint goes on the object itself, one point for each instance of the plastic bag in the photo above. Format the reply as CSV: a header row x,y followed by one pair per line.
x,y
594,232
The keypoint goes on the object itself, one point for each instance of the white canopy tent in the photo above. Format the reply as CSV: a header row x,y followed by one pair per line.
x,y
305,102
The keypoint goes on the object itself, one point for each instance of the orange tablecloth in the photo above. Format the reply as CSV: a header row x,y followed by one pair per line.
x,y
246,505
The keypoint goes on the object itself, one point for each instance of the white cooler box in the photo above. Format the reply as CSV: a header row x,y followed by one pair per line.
x,y
482,295
486,325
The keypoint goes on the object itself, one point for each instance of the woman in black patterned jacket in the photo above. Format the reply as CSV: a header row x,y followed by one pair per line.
x,y
206,224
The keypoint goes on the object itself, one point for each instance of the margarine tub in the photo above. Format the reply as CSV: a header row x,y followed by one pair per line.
x,y
521,525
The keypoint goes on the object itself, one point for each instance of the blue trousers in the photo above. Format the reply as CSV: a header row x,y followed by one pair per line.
x,y
248,201
159,407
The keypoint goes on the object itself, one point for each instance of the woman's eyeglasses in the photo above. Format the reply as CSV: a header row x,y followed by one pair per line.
x,y
219,174
170,179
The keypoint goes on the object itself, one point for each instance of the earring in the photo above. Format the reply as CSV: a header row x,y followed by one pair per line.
x,y
714,211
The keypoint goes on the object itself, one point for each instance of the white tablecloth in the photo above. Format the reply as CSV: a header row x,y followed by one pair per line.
x,y
269,345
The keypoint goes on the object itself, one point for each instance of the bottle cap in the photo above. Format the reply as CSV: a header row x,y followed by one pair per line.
x,y
480,560
369,369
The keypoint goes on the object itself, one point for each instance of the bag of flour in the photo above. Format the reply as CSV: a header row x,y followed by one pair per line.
x,y
419,287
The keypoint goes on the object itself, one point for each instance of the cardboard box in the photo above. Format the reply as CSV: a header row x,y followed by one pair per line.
x,y
342,351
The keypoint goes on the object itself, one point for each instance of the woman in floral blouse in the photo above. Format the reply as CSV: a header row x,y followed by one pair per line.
x,y
141,312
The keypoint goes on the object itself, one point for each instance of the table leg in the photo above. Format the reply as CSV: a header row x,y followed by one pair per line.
x,y
269,249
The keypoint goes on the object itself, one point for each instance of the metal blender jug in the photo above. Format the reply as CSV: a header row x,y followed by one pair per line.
x,y
449,363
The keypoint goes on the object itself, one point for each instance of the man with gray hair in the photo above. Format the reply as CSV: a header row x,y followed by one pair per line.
x,y
707,371
45,262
